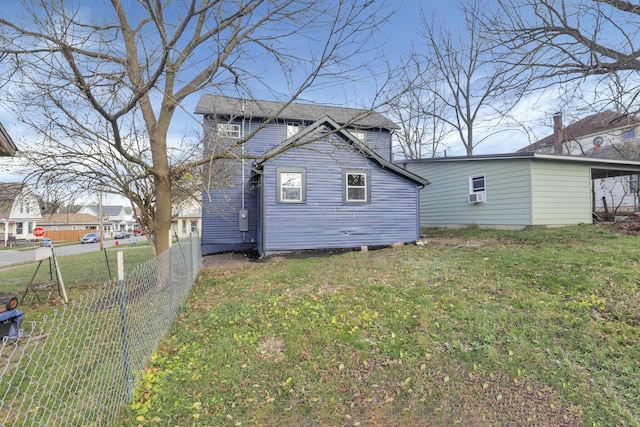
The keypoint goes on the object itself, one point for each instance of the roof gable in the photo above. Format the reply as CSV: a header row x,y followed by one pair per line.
x,y
301,139
219,105
9,192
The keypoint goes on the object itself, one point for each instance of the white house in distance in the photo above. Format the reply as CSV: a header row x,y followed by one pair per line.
x,y
186,219
605,135
114,217
19,212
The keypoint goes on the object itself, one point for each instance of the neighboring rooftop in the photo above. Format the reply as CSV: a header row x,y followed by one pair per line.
x,y
7,147
69,218
219,105
593,124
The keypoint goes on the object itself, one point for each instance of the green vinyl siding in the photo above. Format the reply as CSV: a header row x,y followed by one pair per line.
x,y
519,192
444,202
562,193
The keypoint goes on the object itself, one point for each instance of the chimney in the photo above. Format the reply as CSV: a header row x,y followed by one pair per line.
x,y
557,133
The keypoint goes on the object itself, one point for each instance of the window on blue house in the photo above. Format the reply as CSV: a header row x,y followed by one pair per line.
x,y
356,186
292,129
228,130
291,185
359,134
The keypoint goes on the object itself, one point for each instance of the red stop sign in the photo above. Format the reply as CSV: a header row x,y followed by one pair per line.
x,y
38,231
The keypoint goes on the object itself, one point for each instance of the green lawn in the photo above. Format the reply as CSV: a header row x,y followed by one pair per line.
x,y
536,327
79,274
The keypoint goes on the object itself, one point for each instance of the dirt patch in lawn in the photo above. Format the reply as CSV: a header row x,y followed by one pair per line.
x,y
629,225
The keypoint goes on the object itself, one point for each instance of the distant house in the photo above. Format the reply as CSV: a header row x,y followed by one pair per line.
x,y
322,179
114,217
7,147
186,219
511,191
19,212
605,135
69,221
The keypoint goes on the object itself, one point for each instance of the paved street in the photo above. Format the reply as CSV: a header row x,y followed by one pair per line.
x,y
17,256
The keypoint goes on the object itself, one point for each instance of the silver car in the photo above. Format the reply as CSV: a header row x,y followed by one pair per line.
x,y
90,238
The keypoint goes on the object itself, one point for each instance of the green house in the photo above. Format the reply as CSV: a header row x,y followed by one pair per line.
x,y
511,191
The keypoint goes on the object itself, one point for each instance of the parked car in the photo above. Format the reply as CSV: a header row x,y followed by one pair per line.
x,y
137,232
46,242
90,238
122,235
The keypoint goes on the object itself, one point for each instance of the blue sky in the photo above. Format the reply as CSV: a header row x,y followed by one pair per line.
x,y
396,40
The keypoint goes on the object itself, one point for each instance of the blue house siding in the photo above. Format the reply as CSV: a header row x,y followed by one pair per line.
x,y
220,215
325,221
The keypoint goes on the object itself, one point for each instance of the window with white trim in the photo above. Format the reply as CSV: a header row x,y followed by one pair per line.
x,y
356,186
359,134
291,185
477,184
292,129
229,130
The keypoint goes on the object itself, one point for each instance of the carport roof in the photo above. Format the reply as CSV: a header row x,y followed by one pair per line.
x,y
600,168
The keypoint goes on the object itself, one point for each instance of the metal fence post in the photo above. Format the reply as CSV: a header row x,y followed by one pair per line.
x,y
123,322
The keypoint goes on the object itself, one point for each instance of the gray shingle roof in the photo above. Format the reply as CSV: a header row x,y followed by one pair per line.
x,y
227,106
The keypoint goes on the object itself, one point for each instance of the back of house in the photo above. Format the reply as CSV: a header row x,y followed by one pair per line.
x,y
267,152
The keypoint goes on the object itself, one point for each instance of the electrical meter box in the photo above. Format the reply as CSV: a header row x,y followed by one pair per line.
x,y
243,216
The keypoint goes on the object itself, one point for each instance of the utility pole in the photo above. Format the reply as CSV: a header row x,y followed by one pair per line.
x,y
101,221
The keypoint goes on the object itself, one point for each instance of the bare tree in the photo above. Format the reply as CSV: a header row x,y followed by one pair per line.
x,y
466,80
416,109
101,82
581,41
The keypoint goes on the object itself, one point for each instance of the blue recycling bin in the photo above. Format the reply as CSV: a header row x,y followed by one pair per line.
x,y
10,322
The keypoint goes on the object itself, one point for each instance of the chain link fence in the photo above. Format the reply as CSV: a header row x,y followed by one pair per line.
x,y
79,365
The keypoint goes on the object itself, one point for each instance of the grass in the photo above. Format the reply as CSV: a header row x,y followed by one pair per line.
x,y
79,273
477,327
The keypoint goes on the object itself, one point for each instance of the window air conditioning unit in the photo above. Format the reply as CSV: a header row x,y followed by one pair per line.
x,y
477,197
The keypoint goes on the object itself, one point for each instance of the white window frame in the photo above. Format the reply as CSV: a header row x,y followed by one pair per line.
x,y
478,189
229,130
282,196
347,198
292,129
360,135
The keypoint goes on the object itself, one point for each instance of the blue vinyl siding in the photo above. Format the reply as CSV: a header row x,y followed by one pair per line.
x,y
220,210
380,142
325,221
